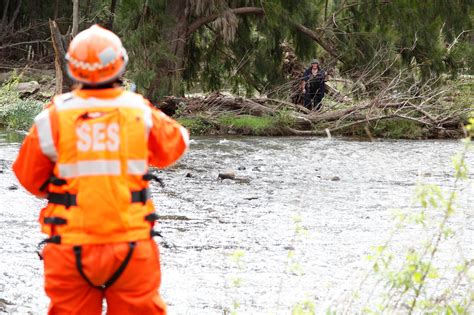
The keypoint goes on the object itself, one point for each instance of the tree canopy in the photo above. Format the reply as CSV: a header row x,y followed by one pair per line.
x,y
184,45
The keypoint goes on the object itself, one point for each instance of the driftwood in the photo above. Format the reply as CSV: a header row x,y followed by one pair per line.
x,y
422,108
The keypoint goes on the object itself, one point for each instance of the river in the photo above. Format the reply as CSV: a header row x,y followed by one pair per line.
x,y
342,192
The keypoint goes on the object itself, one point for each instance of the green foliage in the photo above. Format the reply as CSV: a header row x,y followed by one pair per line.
x,y
304,308
139,24
16,113
236,281
397,129
252,61
434,44
406,283
196,125
463,94
243,52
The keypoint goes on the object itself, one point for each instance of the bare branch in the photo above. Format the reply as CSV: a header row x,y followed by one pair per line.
x,y
24,43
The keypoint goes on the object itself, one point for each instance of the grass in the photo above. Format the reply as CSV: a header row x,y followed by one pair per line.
x,y
257,125
229,123
196,125
247,124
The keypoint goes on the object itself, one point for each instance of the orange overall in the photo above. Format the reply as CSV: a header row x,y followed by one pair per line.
x,y
88,153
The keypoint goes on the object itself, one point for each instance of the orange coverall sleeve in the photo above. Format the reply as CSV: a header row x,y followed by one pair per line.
x,y
168,140
32,167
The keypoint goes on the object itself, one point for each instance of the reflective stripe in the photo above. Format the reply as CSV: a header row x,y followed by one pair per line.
x,y
185,135
67,170
89,168
137,167
126,100
101,167
45,135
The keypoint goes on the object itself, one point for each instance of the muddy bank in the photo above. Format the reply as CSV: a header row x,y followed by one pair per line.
x,y
206,220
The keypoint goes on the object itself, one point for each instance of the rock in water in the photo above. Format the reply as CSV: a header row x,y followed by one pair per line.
x,y
13,187
335,178
226,175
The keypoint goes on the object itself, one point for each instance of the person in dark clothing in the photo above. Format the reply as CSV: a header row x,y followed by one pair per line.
x,y
312,85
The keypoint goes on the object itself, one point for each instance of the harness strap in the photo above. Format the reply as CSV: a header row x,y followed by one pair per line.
x,y
78,254
53,180
54,220
66,199
150,176
55,239
70,200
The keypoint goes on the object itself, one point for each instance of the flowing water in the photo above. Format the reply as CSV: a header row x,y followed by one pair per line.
x,y
342,191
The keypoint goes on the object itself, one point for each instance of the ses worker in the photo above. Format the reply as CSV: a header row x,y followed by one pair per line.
x,y
88,154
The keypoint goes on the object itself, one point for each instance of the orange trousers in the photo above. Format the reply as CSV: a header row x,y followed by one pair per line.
x,y
135,291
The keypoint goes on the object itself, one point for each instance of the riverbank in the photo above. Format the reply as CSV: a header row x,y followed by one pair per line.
x,y
427,111
391,114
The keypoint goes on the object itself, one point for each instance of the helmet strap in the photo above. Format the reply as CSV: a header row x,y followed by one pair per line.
x,y
109,85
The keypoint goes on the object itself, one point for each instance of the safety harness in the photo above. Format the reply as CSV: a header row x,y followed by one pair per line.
x,y
69,200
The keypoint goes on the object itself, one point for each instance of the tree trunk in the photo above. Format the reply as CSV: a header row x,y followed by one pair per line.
x,y
75,17
60,44
56,10
5,15
169,72
113,6
88,8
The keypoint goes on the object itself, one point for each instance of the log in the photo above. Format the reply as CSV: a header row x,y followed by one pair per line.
x,y
247,105
292,105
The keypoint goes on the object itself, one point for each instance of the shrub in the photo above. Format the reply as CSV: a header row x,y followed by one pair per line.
x,y
16,113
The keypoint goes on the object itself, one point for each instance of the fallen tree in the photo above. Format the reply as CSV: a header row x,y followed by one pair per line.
x,y
434,109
